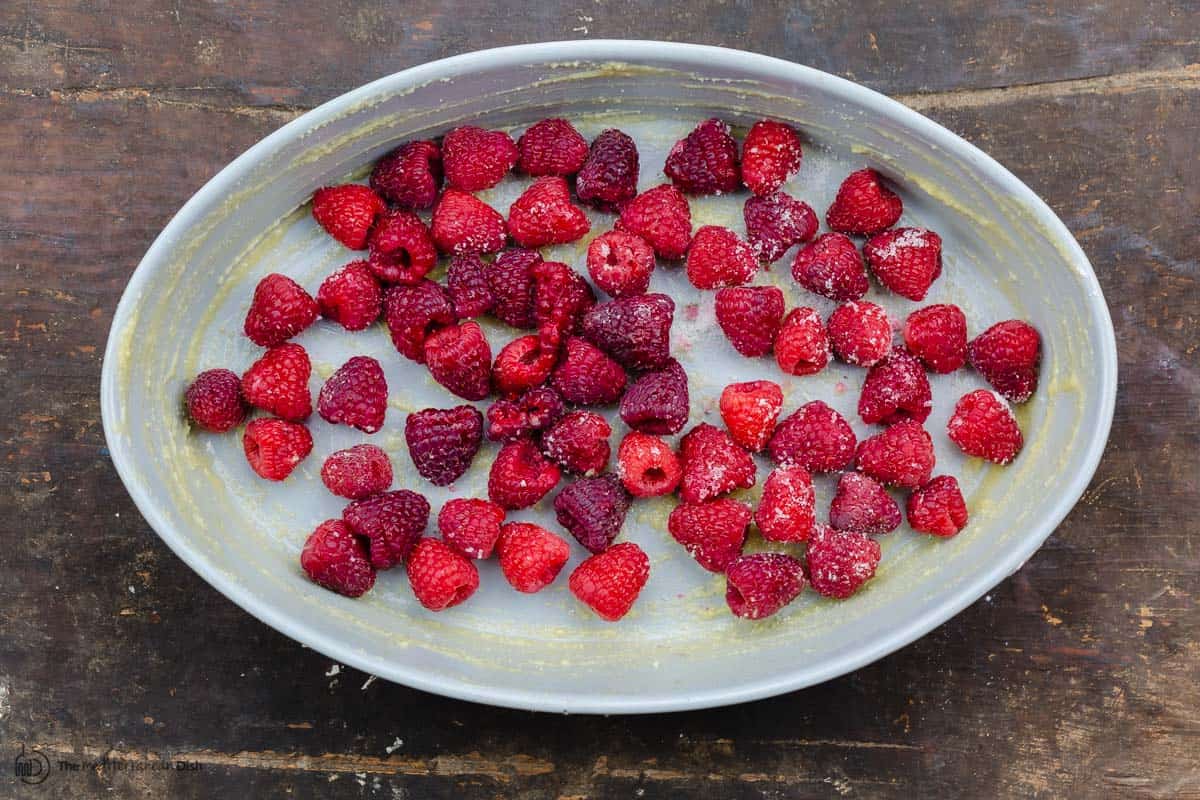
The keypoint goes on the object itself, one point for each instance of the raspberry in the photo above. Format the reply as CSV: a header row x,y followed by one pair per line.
x,y
864,205
662,217
462,223
510,277
536,410
938,507
355,395
561,296
713,533
777,221
770,155
719,257
278,382
636,331
471,526
357,472
801,346
840,562
815,437
657,402
647,465
351,297
274,447
402,250
593,510
468,287
900,456
860,504
412,313
506,421
712,464
280,310
214,400
832,267
749,411
786,511
905,260
579,443
1008,355
521,475
983,425
895,389
586,376
620,263
860,333
543,407
347,212
609,582
705,161
522,364
531,556
759,584
609,176
475,159
443,442
460,359
391,521
409,176
333,557
543,215
551,147
440,577
938,336
750,317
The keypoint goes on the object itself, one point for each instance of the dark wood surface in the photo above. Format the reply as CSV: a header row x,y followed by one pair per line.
x,y
1079,676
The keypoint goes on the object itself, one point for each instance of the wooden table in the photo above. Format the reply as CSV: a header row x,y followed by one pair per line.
x,y
1079,676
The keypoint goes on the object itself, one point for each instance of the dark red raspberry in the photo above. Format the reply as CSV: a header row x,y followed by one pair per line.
x,y
274,447
609,176
938,336
840,562
475,159
900,456
471,526
713,533
544,215
347,212
983,425
510,277
280,310
705,161
832,267
759,584
391,521
905,260
506,421
357,472
536,410
440,577
719,257
410,176
335,558
460,359
896,388
814,436
462,223
861,504
586,376
531,556
521,475
609,583
412,313
662,217
443,442
802,346
938,507
864,205
593,510
749,411
657,402
712,464
647,465
278,382
860,333
351,297
786,511
402,250
770,155
1008,355
543,407
551,147
561,296
579,443
355,395
750,317
636,331
522,364
468,286
620,263
214,400
776,222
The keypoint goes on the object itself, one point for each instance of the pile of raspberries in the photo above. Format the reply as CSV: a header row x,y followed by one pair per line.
x,y
579,353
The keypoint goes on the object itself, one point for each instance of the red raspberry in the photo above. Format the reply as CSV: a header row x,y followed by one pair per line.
x,y
620,263
1008,355
750,317
905,260
896,388
471,526
335,558
832,267
280,310
510,277
412,313
460,359
347,212
468,286
561,296
705,161
543,407
749,411
443,442
410,176
713,533
719,257
462,223
609,176
712,464
543,215
814,436
506,421
531,556
274,447
938,336
983,425
938,507
609,583
657,402
536,410
351,297
860,333
647,465
214,400
786,511
636,331
551,147
402,250
864,205
840,562
586,376
357,472
860,504
662,217
440,577
521,475
593,510
522,364
278,382
801,346
475,159
900,456
759,584
776,222
579,443
770,155
355,395
391,521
